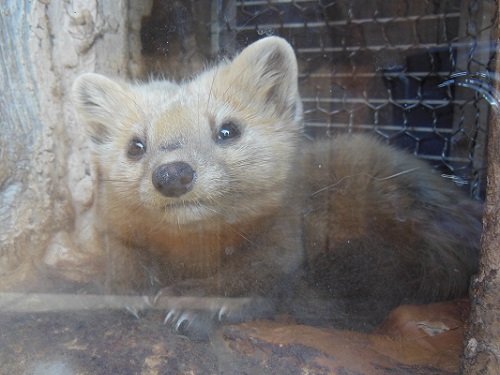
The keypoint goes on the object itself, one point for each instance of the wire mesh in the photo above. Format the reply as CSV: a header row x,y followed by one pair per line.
x,y
378,66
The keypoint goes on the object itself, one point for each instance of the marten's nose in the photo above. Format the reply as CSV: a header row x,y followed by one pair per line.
x,y
173,179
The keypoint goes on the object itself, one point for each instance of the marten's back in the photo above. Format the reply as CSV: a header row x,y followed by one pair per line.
x,y
382,227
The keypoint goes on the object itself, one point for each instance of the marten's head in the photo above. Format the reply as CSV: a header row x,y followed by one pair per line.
x,y
218,147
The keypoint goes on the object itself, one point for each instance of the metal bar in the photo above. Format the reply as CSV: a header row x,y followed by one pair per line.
x,y
399,128
376,74
359,21
385,47
431,102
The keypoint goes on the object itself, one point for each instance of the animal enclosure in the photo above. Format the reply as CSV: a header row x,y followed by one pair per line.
x,y
420,75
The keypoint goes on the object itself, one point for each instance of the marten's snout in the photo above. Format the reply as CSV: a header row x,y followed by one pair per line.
x,y
173,179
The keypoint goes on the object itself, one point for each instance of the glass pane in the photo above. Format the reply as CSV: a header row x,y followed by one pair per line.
x,y
250,204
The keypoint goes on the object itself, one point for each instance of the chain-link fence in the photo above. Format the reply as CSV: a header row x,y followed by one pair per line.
x,y
389,67
384,67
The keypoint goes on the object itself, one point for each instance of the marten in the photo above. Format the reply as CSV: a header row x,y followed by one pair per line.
x,y
209,188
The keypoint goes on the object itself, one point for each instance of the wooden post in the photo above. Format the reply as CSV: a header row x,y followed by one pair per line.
x,y
44,177
482,344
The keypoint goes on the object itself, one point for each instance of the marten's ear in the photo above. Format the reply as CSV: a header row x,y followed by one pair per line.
x,y
102,105
267,69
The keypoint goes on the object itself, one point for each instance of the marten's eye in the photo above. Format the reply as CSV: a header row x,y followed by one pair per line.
x,y
136,148
228,130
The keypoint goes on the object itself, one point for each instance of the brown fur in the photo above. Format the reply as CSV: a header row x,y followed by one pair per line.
x,y
380,226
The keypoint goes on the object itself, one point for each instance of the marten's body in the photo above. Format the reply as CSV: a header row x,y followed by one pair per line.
x,y
203,188
381,228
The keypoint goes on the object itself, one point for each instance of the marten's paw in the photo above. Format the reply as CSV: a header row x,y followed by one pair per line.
x,y
198,325
190,312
